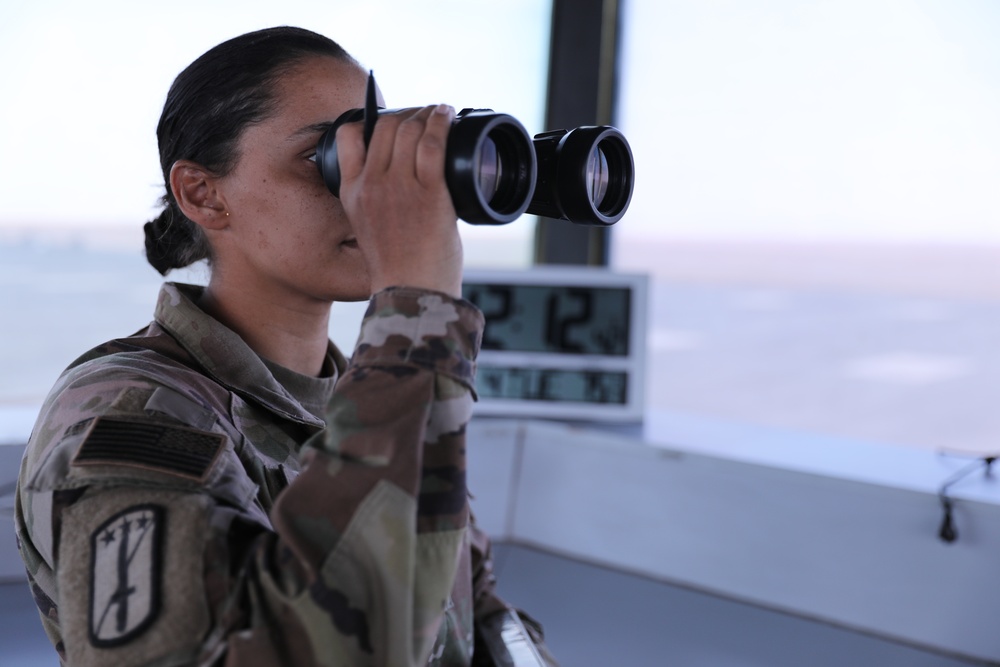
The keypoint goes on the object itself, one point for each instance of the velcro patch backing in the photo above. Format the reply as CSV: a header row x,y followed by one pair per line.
x,y
177,450
131,577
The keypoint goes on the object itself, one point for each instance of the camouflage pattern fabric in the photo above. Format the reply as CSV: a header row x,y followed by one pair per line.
x,y
177,504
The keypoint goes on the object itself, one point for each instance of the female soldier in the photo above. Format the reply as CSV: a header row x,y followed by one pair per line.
x,y
222,486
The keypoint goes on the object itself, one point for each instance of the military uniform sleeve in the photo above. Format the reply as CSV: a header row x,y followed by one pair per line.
x,y
355,564
378,519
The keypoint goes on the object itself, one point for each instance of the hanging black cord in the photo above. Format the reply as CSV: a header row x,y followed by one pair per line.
x,y
948,533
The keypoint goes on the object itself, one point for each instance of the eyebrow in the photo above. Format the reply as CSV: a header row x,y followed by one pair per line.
x,y
315,128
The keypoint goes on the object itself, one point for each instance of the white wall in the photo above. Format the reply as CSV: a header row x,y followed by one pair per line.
x,y
861,554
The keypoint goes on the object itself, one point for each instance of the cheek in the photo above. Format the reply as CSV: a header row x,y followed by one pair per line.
x,y
298,192
263,240
291,213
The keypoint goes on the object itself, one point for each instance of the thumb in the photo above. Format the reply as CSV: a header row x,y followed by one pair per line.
x,y
350,151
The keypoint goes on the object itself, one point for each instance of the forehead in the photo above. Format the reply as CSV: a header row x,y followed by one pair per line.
x,y
318,89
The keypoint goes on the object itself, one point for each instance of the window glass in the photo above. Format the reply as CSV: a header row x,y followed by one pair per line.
x,y
817,200
79,171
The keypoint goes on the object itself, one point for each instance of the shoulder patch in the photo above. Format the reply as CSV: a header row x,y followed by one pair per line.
x,y
125,575
176,450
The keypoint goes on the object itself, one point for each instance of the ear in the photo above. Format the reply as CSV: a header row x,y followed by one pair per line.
x,y
196,191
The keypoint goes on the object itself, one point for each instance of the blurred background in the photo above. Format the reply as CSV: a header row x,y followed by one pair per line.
x,y
816,195
817,198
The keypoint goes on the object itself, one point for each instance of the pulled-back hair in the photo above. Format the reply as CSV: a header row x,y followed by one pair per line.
x,y
208,107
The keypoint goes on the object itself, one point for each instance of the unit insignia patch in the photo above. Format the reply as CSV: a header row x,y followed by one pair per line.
x,y
125,575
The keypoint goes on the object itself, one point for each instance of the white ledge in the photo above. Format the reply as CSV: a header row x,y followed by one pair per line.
x,y
827,528
894,466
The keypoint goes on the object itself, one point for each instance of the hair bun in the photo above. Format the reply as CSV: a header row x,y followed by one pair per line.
x,y
169,241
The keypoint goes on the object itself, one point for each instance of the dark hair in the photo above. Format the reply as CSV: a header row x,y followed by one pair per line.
x,y
208,107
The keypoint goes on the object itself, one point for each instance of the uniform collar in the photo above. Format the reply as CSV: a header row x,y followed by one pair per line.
x,y
225,356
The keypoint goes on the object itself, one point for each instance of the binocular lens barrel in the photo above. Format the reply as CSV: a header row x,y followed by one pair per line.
x,y
585,175
489,164
490,167
496,172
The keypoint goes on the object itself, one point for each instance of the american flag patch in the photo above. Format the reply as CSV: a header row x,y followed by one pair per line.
x,y
177,450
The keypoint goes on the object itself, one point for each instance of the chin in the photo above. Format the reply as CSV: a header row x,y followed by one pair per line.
x,y
350,291
353,298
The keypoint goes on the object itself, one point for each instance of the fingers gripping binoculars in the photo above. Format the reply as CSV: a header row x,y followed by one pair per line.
x,y
495,172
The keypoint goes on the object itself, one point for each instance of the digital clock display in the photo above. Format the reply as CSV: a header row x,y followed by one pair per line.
x,y
553,384
550,318
560,343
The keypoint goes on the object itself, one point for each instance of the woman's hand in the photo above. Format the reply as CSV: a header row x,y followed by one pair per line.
x,y
397,201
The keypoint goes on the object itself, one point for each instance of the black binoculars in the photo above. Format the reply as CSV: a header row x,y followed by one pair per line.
x,y
496,172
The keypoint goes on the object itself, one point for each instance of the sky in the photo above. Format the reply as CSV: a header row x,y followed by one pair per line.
x,y
802,119
83,83
798,119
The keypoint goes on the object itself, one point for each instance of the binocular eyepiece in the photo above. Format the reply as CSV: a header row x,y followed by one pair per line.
x,y
495,172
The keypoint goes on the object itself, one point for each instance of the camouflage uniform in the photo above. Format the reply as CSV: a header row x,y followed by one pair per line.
x,y
181,502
